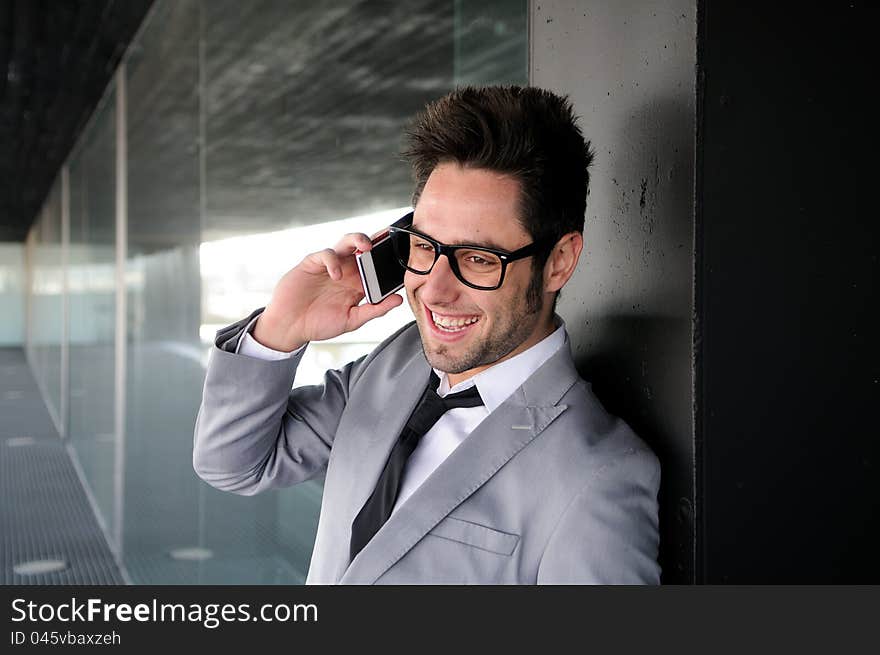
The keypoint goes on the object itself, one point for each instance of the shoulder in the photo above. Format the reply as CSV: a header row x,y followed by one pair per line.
x,y
599,496
583,438
594,446
601,429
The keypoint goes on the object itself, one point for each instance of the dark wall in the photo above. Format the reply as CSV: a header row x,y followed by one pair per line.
x,y
786,246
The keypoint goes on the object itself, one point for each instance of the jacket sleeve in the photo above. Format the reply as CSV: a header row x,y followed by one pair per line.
x,y
252,431
609,533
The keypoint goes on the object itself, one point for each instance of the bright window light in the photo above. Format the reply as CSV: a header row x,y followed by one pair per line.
x,y
239,273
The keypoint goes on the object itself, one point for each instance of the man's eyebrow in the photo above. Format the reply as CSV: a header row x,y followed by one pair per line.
x,y
487,244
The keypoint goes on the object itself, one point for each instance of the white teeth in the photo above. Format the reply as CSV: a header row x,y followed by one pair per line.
x,y
453,324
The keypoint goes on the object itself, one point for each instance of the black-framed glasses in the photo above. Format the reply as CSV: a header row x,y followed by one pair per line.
x,y
479,267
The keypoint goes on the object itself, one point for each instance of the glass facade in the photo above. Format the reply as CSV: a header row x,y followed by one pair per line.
x,y
249,135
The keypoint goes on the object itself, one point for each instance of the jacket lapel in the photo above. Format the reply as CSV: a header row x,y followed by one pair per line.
x,y
359,462
514,424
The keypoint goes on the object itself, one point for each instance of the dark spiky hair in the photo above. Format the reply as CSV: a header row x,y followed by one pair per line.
x,y
528,133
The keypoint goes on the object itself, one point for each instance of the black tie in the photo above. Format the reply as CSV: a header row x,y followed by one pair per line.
x,y
428,411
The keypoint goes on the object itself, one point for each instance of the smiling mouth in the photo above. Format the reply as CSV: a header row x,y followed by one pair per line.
x,y
452,324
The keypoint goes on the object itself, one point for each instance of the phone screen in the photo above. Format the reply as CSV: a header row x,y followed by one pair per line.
x,y
388,268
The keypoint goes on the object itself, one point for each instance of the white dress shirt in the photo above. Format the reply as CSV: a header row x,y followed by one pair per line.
x,y
495,385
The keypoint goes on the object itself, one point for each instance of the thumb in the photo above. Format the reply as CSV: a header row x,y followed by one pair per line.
x,y
367,312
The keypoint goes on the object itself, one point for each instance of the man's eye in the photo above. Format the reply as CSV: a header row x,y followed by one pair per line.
x,y
479,261
423,245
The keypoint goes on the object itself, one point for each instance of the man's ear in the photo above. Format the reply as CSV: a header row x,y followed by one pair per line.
x,y
562,261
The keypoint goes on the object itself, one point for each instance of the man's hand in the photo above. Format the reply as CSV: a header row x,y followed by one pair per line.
x,y
319,299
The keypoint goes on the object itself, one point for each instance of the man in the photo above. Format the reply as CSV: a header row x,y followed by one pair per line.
x,y
518,475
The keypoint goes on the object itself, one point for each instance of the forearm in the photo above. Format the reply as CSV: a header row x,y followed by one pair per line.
x,y
246,439
252,432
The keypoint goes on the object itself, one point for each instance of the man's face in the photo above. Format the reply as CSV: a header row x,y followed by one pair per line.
x,y
481,207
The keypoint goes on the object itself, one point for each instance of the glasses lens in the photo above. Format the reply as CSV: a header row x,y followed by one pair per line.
x,y
413,252
479,267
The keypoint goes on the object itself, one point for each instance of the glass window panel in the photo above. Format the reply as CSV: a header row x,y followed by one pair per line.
x,y
12,294
491,42
162,503
47,285
92,306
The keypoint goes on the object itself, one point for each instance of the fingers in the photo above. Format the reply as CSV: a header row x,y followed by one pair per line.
x,y
335,260
351,242
331,262
367,312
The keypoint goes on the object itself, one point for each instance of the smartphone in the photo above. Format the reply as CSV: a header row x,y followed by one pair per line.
x,y
381,272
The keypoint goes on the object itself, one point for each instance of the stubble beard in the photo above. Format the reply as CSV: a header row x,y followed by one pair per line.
x,y
517,326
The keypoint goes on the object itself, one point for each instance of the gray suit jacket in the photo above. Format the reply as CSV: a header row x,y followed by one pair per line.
x,y
549,488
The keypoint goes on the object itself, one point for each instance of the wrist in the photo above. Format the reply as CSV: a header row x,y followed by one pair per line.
x,y
269,332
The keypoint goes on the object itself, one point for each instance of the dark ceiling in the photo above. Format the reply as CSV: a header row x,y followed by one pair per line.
x,y
242,117
56,58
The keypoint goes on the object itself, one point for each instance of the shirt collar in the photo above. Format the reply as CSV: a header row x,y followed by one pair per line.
x,y
499,381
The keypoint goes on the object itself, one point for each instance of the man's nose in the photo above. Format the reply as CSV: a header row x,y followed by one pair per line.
x,y
441,284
